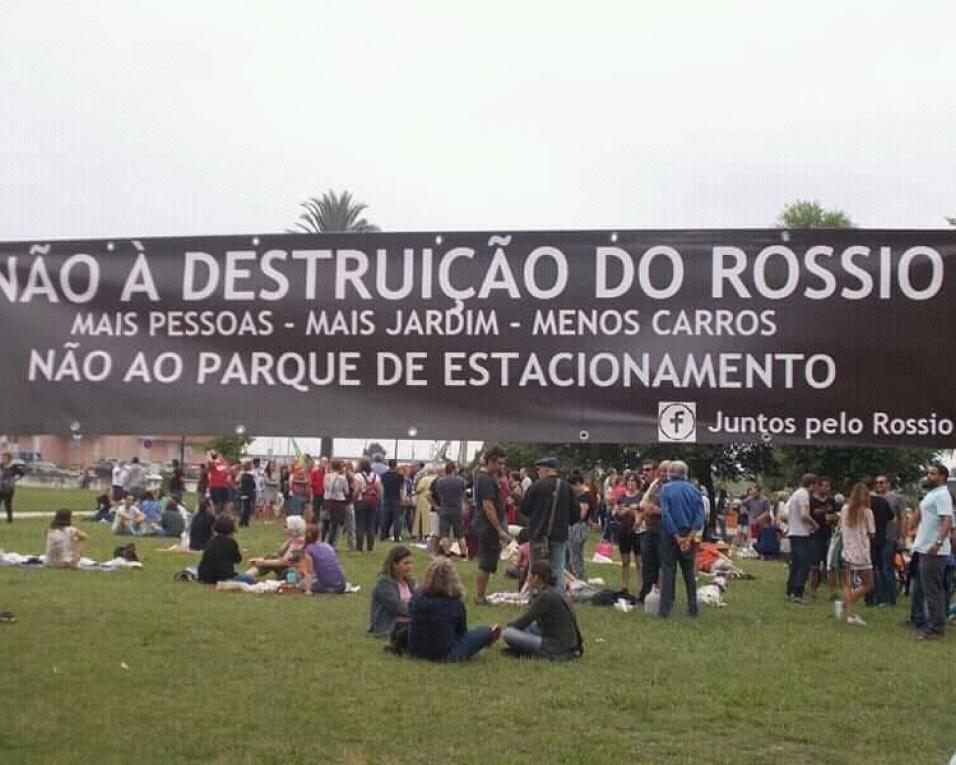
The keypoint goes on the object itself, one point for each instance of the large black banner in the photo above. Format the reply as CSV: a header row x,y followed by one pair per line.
x,y
796,336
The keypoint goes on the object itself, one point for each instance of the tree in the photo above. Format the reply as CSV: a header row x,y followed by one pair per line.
x,y
951,221
230,447
804,214
333,213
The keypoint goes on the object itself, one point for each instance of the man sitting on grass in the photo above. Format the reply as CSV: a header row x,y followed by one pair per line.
x,y
129,518
549,628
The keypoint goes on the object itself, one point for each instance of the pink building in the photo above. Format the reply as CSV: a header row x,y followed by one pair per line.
x,y
79,453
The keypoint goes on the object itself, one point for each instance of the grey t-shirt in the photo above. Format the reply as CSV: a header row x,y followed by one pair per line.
x,y
755,507
450,490
895,501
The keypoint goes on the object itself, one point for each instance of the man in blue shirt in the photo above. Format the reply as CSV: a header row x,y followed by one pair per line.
x,y
682,519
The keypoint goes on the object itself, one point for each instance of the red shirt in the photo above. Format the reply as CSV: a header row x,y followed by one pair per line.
x,y
317,477
218,474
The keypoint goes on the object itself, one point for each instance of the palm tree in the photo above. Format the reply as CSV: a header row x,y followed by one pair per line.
x,y
334,212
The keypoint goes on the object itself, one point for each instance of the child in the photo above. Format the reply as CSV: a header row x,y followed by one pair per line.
x,y
857,529
64,543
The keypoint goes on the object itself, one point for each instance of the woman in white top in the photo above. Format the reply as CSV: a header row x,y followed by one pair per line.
x,y
336,494
64,543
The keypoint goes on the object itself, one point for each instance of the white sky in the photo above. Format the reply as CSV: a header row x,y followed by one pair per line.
x,y
169,118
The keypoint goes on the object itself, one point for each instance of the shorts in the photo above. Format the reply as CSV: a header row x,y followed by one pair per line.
x,y
628,541
434,523
858,565
489,552
819,552
451,525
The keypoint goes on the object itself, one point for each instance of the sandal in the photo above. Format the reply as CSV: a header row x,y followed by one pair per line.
x,y
482,602
7,617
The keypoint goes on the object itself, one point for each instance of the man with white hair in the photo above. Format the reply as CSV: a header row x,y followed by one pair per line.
x,y
682,519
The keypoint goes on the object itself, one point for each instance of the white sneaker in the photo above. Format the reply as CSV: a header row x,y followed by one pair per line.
x,y
855,621
838,609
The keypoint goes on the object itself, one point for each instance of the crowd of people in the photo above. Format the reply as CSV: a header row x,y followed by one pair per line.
x,y
863,545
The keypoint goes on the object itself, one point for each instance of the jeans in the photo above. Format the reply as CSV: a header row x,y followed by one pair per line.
x,y
917,599
391,521
469,644
524,641
650,561
244,578
246,503
722,524
365,525
557,558
350,526
671,556
577,536
932,574
316,509
7,499
801,555
325,589
333,533
886,580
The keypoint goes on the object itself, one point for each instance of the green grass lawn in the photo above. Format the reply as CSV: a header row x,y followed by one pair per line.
x,y
229,678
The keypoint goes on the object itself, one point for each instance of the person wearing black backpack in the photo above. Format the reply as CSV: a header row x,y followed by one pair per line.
x,y
367,492
548,504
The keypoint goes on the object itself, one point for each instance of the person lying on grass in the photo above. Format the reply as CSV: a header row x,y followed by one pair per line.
x,y
438,627
392,594
322,573
549,628
287,556
221,555
64,543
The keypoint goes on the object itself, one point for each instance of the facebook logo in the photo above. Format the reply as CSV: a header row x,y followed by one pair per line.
x,y
677,421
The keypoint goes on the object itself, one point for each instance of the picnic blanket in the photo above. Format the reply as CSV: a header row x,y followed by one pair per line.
x,y
86,564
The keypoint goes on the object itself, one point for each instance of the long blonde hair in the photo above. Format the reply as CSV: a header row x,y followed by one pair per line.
x,y
441,578
859,499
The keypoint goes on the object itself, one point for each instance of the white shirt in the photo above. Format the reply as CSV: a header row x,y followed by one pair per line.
x,y
117,475
796,525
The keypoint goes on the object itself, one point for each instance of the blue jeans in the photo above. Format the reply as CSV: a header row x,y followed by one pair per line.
x,y
470,643
886,580
247,578
391,521
557,558
524,641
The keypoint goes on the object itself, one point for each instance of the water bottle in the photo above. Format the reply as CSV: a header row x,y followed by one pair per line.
x,y
290,577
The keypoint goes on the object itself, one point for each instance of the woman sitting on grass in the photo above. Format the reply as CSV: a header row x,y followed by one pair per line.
x,y
549,628
439,624
200,530
393,592
221,555
64,543
104,509
323,574
287,556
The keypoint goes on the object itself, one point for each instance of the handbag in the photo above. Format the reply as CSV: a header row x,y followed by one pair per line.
x,y
543,546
